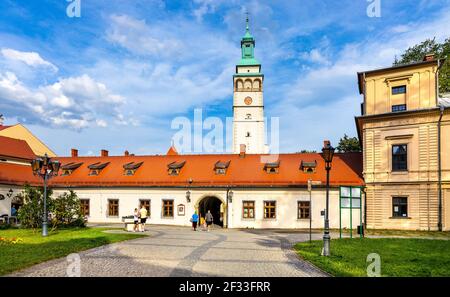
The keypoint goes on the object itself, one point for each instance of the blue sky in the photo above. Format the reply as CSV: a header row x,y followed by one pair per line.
x,y
116,77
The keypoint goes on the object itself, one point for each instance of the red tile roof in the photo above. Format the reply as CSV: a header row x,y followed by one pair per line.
x,y
15,148
243,171
3,127
15,174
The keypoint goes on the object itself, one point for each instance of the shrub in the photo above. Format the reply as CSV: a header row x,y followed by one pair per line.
x,y
32,210
65,210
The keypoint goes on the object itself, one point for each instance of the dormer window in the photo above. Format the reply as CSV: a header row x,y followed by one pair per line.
x,y
221,167
308,167
68,168
174,168
272,167
130,168
96,168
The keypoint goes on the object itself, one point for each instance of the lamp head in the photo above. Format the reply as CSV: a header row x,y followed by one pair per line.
x,y
54,166
36,165
188,196
230,195
327,152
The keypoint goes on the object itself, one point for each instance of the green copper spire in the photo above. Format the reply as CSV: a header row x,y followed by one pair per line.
x,y
247,48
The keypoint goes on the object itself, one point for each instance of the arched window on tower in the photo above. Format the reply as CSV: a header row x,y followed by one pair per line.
x,y
239,85
256,85
248,84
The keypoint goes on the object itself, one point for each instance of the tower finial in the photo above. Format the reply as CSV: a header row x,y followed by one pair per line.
x,y
246,21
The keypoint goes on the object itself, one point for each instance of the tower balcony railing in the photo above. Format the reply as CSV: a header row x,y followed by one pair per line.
x,y
248,89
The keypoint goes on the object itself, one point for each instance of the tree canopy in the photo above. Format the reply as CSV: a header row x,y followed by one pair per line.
x,y
430,46
348,144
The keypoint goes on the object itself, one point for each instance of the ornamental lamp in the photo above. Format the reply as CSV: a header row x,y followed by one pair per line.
x,y
230,196
54,166
36,165
188,196
327,152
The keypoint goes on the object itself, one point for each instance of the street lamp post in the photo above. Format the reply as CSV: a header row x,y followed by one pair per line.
x,y
45,168
327,155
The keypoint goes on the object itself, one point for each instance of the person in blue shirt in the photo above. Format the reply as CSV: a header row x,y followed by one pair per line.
x,y
194,220
13,211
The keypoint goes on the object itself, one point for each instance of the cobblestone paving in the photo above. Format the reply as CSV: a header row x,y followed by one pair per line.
x,y
178,251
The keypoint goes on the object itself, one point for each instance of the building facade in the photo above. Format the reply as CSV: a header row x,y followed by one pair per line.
x,y
19,131
404,130
239,190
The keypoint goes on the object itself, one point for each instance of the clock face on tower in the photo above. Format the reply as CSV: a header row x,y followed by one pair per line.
x,y
248,100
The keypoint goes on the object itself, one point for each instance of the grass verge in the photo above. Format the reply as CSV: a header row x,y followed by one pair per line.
x,y
31,248
399,256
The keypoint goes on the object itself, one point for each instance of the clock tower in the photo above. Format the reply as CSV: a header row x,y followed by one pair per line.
x,y
248,105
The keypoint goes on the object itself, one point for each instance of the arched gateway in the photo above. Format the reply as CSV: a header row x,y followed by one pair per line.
x,y
216,206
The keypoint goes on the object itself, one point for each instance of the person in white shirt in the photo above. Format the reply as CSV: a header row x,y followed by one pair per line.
x,y
136,220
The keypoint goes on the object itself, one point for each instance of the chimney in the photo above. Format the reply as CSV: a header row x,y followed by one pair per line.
x,y
126,153
74,152
242,150
104,153
428,57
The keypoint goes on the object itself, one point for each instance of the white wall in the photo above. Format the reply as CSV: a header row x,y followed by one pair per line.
x,y
286,209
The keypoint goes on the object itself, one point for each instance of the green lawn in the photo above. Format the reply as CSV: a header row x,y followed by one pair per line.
x,y
399,256
32,248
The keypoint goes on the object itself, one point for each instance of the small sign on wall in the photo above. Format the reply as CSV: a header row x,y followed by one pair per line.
x,y
181,209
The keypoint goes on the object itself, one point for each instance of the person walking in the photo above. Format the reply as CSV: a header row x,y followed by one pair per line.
x,y
136,220
203,223
143,213
194,220
209,220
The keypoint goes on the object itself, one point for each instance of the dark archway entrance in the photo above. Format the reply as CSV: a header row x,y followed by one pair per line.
x,y
213,204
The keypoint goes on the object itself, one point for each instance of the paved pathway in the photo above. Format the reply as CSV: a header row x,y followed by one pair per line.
x,y
178,251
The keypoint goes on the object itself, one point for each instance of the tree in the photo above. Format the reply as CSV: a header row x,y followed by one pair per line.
x,y
30,214
348,144
307,151
430,46
66,210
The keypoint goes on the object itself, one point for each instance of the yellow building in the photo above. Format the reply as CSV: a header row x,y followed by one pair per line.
x,y
406,171
19,131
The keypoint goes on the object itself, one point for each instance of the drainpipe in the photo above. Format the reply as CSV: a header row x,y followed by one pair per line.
x,y
441,108
228,202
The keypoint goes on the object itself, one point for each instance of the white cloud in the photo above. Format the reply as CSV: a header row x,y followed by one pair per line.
x,y
140,38
74,102
32,59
